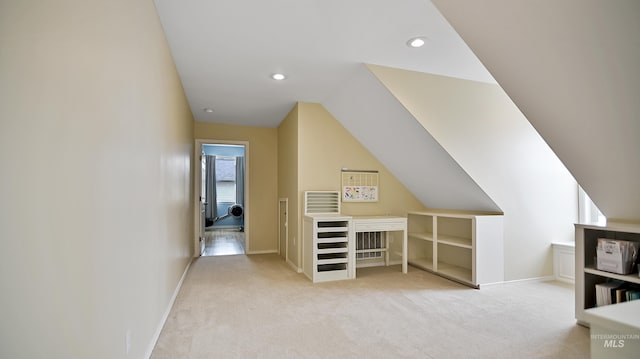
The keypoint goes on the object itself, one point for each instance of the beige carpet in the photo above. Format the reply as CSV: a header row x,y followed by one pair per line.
x,y
258,307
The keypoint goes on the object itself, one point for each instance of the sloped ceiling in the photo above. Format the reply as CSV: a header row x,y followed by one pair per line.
x,y
366,108
486,134
573,69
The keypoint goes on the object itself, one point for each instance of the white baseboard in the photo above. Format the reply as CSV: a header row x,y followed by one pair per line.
x,y
264,252
565,280
535,279
165,316
293,266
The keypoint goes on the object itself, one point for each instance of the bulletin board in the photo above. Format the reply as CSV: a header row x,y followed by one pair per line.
x,y
360,186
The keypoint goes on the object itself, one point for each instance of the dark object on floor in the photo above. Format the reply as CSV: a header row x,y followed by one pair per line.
x,y
236,210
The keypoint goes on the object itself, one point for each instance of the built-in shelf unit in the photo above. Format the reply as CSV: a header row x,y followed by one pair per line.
x,y
332,242
587,275
465,247
328,248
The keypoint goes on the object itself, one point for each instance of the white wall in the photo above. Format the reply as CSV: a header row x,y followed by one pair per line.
x,y
95,149
375,118
571,66
481,128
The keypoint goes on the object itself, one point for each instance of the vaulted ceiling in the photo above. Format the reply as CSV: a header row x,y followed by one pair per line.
x,y
573,69
226,50
570,66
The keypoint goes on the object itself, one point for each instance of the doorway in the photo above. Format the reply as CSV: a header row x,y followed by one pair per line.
x,y
222,181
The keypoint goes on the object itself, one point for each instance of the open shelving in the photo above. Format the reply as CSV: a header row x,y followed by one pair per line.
x,y
420,251
587,274
465,247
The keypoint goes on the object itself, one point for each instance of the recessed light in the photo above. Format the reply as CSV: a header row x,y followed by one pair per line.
x,y
208,110
278,77
416,41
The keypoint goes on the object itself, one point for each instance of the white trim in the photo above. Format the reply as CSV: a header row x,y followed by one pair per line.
x,y
268,251
535,279
165,316
286,225
293,266
197,182
565,280
571,244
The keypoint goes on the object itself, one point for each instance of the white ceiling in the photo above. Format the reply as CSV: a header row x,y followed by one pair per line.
x,y
226,50
573,69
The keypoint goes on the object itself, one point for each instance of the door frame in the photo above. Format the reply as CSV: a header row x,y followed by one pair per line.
x,y
286,225
197,182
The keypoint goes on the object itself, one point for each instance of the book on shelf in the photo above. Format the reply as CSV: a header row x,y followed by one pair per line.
x,y
632,294
603,292
615,291
621,295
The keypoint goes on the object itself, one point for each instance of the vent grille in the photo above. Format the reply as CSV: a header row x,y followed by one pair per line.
x,y
322,202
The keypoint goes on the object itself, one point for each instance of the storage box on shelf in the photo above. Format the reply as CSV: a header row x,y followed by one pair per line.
x,y
587,273
463,246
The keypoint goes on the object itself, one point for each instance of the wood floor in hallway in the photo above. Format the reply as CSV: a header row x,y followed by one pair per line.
x,y
224,243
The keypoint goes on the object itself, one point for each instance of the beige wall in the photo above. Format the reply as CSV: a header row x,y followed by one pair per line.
x,y
288,179
324,148
95,193
494,143
262,170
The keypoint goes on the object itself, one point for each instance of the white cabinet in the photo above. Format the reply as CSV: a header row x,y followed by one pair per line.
x,y
328,248
464,247
587,276
615,330
564,261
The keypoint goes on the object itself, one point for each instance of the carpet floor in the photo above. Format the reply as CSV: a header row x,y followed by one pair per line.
x,y
258,307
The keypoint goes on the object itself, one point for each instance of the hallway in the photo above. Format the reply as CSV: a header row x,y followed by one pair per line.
x,y
223,243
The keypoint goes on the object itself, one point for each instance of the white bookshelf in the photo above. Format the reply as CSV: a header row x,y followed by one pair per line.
x,y
465,247
587,275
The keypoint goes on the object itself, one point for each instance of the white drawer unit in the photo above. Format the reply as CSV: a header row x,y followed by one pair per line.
x,y
328,248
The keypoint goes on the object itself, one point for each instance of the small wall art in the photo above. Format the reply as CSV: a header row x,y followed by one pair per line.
x,y
359,186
